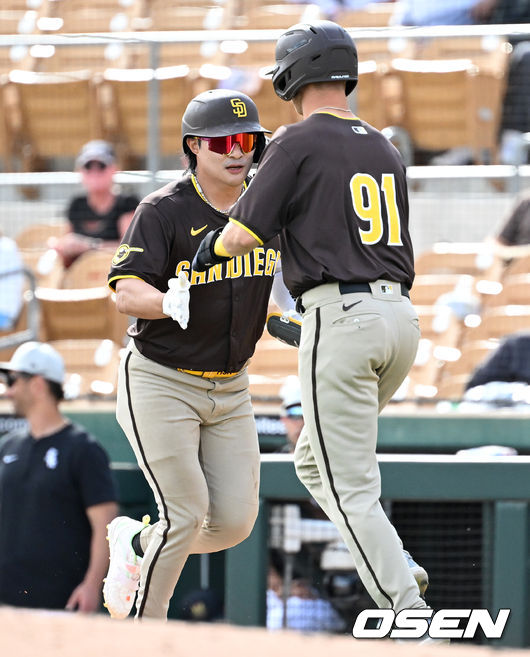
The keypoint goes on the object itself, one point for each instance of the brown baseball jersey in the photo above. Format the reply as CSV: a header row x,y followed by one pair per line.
x,y
336,223
228,303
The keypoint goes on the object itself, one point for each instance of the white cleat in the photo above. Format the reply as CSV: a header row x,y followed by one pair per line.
x,y
123,576
419,573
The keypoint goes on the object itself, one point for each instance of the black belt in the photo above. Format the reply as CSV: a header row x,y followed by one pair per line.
x,y
347,288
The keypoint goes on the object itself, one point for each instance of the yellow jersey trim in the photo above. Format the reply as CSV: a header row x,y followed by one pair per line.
x,y
344,118
238,223
116,278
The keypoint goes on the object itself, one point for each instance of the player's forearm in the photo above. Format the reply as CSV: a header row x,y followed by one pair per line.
x,y
99,517
237,241
139,299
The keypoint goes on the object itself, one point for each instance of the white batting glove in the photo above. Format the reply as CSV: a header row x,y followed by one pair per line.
x,y
176,300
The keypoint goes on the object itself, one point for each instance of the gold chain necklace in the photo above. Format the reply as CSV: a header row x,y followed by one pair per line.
x,y
203,196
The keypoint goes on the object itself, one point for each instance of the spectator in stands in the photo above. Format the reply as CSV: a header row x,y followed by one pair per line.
x,y
513,240
56,494
448,12
99,218
510,362
305,610
291,414
11,283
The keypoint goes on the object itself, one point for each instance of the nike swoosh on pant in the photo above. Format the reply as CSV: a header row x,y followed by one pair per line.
x,y
345,307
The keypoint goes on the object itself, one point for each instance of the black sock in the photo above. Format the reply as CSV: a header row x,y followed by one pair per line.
x,y
136,545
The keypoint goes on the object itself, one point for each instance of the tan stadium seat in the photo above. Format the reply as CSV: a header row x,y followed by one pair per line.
x,y
91,366
498,321
515,291
452,258
451,103
170,15
278,16
80,313
377,14
51,115
45,264
125,96
36,236
89,270
79,16
472,354
427,288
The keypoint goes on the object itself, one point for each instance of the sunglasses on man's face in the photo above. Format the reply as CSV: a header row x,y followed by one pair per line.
x,y
224,145
94,165
13,377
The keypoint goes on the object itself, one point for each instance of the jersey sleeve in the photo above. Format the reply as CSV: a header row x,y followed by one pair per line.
x,y
263,210
93,474
145,249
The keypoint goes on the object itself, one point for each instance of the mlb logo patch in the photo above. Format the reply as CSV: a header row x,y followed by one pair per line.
x,y
386,289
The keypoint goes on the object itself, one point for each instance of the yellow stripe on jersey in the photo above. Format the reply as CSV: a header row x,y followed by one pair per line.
x,y
237,223
116,278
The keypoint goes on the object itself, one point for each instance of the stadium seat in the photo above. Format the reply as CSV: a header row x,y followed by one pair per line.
x,y
490,52
515,291
377,14
170,15
84,313
277,16
372,96
51,116
471,356
453,258
89,270
79,16
498,321
427,288
36,236
451,103
124,95
91,366
273,358
452,388
45,264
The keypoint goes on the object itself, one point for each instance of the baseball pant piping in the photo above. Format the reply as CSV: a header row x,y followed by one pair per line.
x,y
364,348
327,463
145,465
195,440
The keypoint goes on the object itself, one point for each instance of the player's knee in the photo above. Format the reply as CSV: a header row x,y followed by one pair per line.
x,y
236,526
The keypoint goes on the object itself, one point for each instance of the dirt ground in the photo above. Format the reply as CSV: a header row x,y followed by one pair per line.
x,y
26,633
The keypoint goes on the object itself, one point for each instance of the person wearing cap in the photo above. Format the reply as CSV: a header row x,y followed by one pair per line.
x,y
291,412
57,494
99,218
183,389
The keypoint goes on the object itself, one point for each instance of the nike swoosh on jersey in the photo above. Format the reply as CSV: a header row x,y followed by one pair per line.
x,y
196,231
10,458
345,307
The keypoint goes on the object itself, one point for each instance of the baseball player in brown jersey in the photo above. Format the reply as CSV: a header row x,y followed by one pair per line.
x,y
183,398
335,191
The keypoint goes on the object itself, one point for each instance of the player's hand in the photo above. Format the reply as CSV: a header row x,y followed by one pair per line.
x,y
176,300
206,256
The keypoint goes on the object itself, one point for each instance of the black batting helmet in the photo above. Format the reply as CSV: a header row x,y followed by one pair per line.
x,y
314,52
222,112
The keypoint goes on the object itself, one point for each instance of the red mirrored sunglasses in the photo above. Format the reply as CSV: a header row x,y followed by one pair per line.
x,y
224,145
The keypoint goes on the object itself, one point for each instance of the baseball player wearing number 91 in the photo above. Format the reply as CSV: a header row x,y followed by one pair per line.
x,y
183,397
334,189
